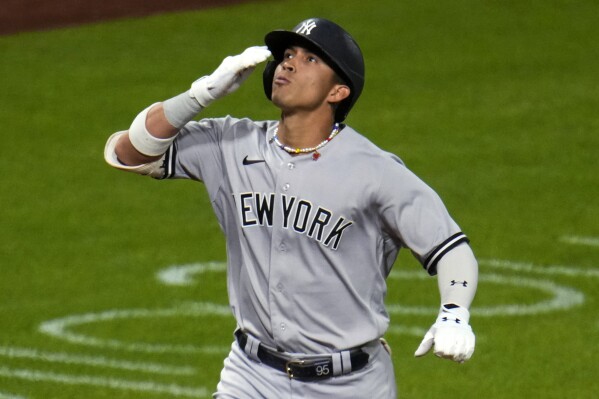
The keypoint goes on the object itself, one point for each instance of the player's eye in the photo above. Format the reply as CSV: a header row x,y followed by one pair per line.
x,y
311,58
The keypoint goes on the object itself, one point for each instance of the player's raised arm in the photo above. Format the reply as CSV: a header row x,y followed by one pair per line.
x,y
141,148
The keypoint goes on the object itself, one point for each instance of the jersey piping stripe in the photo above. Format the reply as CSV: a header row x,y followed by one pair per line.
x,y
169,161
431,262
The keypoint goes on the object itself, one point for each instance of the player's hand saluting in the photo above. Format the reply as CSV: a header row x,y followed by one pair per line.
x,y
228,76
451,335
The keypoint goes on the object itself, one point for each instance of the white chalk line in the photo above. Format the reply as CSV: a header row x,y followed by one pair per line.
x,y
104,382
581,240
398,329
59,328
95,361
558,270
562,297
182,275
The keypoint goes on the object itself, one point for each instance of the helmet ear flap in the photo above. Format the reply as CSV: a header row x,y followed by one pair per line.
x,y
267,77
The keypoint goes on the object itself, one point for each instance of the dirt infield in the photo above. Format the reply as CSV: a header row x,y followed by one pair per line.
x,y
27,15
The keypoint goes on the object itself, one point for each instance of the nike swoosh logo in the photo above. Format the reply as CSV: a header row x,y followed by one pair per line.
x,y
247,161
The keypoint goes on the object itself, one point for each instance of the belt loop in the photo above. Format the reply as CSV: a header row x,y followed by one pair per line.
x,y
337,367
346,362
251,347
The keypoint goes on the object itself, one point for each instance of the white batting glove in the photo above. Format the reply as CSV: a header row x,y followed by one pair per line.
x,y
228,76
451,335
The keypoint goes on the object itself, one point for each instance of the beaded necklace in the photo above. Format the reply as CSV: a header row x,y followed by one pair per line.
x,y
315,149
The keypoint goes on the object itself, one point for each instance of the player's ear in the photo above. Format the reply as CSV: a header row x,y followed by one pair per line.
x,y
338,93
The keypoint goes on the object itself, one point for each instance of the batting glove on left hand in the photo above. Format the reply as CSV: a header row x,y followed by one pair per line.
x,y
227,78
451,335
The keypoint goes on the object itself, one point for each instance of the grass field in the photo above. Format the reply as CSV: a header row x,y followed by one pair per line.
x,y
111,285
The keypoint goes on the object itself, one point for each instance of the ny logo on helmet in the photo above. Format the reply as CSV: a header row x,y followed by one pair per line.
x,y
306,27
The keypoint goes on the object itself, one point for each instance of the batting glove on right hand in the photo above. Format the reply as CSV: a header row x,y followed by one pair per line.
x,y
451,335
227,78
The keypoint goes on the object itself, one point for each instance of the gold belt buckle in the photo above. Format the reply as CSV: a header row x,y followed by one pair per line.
x,y
291,362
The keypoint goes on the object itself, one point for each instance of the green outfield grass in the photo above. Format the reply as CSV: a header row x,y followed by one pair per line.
x,y
493,103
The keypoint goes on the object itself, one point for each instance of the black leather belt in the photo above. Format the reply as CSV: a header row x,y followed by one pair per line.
x,y
304,369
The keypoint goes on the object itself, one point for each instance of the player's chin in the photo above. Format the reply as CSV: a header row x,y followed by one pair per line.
x,y
280,99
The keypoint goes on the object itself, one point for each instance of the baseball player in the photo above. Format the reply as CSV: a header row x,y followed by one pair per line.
x,y
314,216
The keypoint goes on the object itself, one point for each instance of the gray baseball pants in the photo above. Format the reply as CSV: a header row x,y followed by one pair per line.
x,y
244,378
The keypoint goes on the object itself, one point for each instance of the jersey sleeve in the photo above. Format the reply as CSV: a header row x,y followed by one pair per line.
x,y
196,153
413,213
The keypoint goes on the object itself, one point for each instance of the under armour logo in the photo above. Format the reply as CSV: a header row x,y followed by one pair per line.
x,y
446,319
463,283
306,27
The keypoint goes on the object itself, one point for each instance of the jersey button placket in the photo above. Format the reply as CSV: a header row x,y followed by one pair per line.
x,y
290,166
279,254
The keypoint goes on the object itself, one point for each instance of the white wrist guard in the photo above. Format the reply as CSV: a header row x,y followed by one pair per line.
x,y
142,139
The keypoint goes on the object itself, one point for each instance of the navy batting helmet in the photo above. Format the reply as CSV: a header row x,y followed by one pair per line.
x,y
330,41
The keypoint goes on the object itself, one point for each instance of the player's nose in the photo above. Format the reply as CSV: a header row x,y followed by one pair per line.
x,y
288,64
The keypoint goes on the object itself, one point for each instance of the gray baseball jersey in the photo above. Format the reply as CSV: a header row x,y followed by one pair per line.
x,y
310,242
